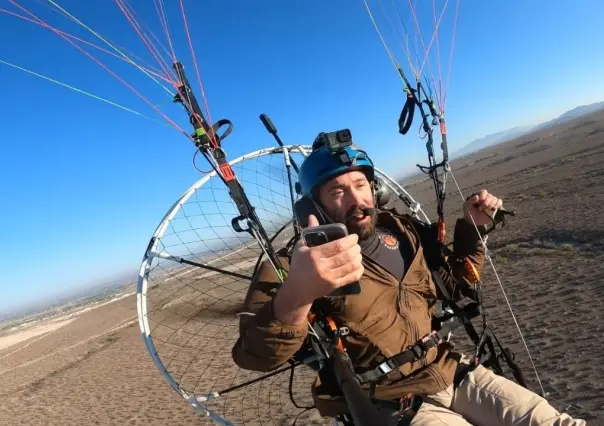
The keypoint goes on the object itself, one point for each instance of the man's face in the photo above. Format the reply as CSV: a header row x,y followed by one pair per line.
x,y
344,197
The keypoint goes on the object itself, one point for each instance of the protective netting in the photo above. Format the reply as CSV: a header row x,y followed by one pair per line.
x,y
193,282
191,311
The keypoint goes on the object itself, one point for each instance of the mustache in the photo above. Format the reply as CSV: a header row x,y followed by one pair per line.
x,y
355,211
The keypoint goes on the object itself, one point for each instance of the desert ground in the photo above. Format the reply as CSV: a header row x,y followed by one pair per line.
x,y
93,367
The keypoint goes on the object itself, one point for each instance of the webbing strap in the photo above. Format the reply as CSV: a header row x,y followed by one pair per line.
x,y
415,352
406,118
459,313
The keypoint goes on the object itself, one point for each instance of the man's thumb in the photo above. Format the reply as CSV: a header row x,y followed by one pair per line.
x,y
312,221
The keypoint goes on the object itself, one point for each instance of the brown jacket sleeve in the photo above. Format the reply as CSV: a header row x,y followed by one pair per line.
x,y
466,244
264,342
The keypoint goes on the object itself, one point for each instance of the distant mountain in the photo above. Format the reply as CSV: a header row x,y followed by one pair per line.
x,y
509,134
572,114
493,139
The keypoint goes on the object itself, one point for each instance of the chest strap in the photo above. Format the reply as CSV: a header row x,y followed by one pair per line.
x,y
420,348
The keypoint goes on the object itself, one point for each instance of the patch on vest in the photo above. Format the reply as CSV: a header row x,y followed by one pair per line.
x,y
390,241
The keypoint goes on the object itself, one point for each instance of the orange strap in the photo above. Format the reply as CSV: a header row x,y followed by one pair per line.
x,y
471,270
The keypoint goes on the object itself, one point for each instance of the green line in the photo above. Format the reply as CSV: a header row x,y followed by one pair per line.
x,y
82,92
281,274
109,44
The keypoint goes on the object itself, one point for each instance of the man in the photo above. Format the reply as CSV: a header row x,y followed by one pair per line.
x,y
386,252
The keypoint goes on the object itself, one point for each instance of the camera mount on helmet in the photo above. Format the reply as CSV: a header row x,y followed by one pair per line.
x,y
332,153
336,142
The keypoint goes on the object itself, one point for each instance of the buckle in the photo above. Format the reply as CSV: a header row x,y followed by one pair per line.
x,y
384,368
433,340
419,349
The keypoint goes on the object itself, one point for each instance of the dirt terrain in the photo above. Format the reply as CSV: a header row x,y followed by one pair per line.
x,y
550,256
94,367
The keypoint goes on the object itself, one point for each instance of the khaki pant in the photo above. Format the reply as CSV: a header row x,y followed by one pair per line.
x,y
484,398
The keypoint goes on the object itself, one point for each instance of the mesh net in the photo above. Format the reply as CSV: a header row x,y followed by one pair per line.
x,y
191,311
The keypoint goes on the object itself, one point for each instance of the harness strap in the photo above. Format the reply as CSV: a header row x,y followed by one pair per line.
x,y
420,348
459,312
483,342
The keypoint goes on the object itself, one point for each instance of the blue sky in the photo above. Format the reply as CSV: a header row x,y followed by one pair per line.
x,y
85,184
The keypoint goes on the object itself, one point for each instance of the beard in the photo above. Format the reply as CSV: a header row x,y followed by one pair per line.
x,y
363,230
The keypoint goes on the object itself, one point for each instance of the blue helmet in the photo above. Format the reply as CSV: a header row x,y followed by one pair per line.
x,y
322,164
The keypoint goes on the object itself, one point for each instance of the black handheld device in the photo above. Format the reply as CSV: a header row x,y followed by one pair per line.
x,y
322,234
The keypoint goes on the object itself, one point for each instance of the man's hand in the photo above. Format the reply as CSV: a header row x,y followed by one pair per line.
x,y
481,207
315,272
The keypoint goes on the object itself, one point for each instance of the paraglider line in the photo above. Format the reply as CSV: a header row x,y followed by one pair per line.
x,y
176,126
396,66
102,39
444,102
404,27
421,39
203,95
438,60
413,69
70,18
133,13
434,36
159,7
160,60
149,69
507,301
81,91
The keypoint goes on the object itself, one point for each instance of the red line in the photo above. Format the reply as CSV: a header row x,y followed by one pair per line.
x,y
156,49
104,66
150,70
434,33
440,86
427,51
133,14
407,41
165,25
205,101
64,15
451,57
423,46
168,69
397,37
159,7
134,25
